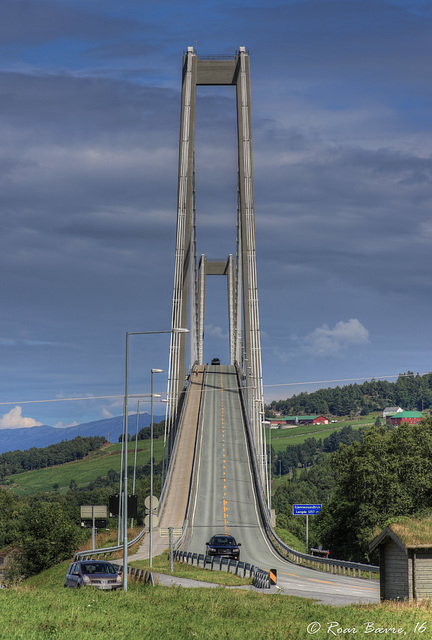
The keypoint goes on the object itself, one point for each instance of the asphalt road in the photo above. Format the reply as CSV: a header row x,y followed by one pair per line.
x,y
225,500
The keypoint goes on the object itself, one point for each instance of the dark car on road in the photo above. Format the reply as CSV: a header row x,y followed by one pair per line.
x,y
223,546
215,361
93,573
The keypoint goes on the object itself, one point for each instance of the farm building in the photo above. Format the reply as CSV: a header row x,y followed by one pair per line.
x,y
405,551
290,421
390,411
406,416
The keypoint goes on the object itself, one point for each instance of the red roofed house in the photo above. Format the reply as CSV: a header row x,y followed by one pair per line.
x,y
290,421
406,416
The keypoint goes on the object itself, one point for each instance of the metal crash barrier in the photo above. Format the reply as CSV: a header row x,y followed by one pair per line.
x,y
105,551
325,564
260,578
141,575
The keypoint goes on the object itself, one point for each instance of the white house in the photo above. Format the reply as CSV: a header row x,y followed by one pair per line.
x,y
390,411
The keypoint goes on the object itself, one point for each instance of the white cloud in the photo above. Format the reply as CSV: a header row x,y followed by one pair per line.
x,y
324,341
60,425
15,420
215,332
106,413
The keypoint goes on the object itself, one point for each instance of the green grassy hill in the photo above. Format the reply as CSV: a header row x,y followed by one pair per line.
x,y
281,438
98,463
84,471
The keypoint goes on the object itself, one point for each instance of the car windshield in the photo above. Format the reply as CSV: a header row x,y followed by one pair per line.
x,y
223,540
97,567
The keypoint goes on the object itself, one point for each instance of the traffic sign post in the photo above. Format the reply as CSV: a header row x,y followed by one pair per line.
x,y
89,513
151,504
306,510
115,503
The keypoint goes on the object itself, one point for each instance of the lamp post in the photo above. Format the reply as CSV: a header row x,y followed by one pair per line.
x,y
269,472
156,395
136,451
151,469
125,436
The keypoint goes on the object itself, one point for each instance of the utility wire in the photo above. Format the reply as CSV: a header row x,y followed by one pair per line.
x,y
141,395
282,384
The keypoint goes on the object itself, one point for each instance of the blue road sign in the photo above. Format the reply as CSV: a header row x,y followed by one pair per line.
x,y
306,509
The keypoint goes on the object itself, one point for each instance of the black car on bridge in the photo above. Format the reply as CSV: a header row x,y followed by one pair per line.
x,y
223,546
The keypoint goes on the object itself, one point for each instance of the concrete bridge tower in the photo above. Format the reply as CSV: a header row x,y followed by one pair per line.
x,y
189,280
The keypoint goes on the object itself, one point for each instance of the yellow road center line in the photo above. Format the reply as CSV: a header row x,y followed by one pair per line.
x,y
225,502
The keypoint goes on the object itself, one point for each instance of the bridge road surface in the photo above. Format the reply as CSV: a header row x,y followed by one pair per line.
x,y
225,501
172,513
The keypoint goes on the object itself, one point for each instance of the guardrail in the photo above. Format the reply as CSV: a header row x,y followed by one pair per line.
x,y
167,482
79,555
260,578
330,565
138,574
194,478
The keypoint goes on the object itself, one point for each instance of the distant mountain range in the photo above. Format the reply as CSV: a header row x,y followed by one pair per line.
x,y
110,428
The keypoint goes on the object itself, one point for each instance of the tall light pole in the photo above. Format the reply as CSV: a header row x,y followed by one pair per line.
x,y
265,422
135,455
151,469
125,436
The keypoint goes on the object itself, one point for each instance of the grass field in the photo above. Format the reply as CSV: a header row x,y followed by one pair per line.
x,y
83,471
98,463
281,438
42,609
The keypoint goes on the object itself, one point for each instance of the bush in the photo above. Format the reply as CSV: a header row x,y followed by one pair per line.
x,y
45,537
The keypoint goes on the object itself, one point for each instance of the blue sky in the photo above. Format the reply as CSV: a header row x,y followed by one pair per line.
x,y
89,126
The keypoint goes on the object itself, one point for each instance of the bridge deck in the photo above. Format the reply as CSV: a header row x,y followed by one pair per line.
x,y
175,505
174,509
225,501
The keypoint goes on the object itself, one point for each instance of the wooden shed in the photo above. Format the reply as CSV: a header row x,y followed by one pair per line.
x,y
405,552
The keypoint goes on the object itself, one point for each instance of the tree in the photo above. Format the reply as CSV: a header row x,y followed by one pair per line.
x,y
409,391
389,474
8,518
46,537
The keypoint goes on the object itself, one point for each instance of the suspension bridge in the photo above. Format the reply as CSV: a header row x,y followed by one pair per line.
x,y
217,478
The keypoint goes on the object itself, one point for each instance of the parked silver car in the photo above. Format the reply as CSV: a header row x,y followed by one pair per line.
x,y
93,573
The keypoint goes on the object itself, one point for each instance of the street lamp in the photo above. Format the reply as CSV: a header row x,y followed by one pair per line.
x,y
151,468
156,395
125,436
135,456
265,422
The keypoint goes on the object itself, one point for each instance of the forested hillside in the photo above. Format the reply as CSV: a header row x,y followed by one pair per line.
x,y
305,454
45,528
410,392
372,476
66,451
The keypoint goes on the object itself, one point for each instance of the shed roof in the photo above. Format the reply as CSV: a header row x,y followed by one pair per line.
x,y
410,533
